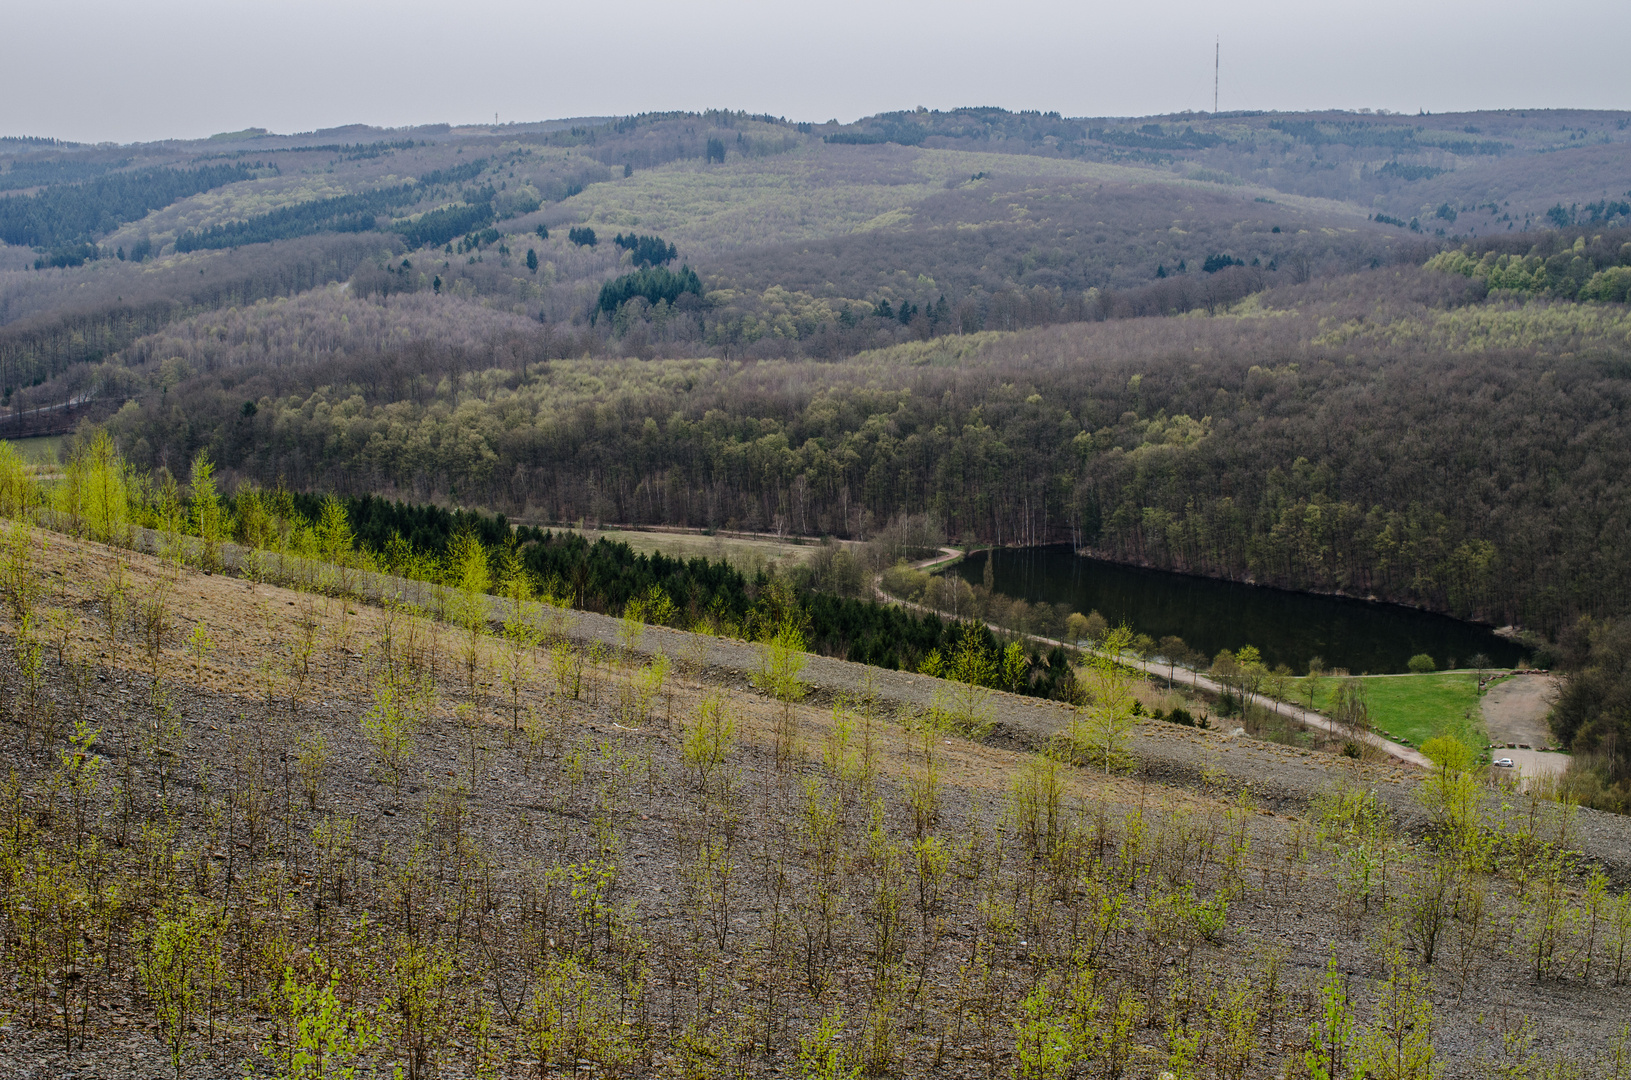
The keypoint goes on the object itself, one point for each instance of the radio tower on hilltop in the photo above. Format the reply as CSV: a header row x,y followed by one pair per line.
x,y
1217,55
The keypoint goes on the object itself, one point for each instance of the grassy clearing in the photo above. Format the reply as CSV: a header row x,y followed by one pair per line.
x,y
1410,707
809,194
740,552
821,191
41,449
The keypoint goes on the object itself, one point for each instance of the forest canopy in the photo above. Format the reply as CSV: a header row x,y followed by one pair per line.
x,y
64,214
654,284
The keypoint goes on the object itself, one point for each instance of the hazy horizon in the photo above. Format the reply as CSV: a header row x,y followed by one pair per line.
x,y
187,70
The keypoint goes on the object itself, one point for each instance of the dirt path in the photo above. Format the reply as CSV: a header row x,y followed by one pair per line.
x,y
1515,715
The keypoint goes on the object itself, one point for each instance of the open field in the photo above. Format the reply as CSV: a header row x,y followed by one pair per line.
x,y
1410,707
39,449
745,553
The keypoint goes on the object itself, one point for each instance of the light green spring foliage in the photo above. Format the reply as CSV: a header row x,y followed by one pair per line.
x,y
1042,1048
1345,812
822,1055
631,630
1331,1034
20,548
329,1040
1398,1043
209,519
566,661
19,490
1100,726
653,608
515,583
108,488
576,1014
392,723
707,742
199,645
422,977
520,636
1528,274
335,541
258,525
466,571
1453,795
650,681
1015,667
781,661
1449,754
962,705
94,496
180,964
1065,1023
169,515
1543,327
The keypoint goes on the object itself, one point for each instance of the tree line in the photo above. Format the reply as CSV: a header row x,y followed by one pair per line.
x,y
65,214
341,213
1598,270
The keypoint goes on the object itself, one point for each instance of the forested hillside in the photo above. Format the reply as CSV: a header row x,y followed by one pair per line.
x,y
1382,434
1377,354
337,742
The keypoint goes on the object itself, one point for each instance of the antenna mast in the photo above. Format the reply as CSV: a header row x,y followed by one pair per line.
x,y
1217,54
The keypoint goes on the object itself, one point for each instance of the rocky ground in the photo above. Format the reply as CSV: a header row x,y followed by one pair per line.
x,y
238,704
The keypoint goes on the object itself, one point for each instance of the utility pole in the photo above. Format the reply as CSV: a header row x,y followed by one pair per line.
x,y
1217,55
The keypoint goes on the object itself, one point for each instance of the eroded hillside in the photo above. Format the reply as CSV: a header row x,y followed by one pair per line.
x,y
247,823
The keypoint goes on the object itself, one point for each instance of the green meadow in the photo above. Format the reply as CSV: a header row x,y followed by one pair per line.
x,y
1409,707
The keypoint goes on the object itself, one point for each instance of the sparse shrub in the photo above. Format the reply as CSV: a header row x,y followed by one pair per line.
x,y
19,569
566,661
963,705
327,1037
392,723
822,1055
707,741
200,645
180,965
312,758
1102,724
1398,1043
781,660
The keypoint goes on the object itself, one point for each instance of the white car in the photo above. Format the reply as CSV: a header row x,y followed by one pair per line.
x,y
1502,763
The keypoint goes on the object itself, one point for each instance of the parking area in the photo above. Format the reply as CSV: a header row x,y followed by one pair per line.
x,y
1515,712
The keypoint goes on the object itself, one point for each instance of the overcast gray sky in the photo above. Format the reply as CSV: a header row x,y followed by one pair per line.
x,y
106,70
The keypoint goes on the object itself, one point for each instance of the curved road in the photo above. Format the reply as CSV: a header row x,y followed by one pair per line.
x,y
1306,717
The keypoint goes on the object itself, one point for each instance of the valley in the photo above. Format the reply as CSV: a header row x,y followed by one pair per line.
x,y
699,594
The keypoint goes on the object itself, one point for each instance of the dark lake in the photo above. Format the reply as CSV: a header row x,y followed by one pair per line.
x,y
1287,627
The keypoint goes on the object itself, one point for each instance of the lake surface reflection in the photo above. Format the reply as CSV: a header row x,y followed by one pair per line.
x,y
1287,627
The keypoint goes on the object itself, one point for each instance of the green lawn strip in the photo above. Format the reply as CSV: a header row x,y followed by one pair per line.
x,y
1409,707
